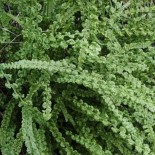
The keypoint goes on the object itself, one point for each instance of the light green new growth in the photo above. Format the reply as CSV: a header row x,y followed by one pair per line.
x,y
77,77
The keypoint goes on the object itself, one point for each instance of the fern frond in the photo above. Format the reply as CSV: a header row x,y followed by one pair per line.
x,y
28,132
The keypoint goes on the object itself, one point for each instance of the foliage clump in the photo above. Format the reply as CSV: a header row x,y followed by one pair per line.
x,y
77,77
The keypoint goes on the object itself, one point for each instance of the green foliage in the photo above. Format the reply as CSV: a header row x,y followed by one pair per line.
x,y
77,77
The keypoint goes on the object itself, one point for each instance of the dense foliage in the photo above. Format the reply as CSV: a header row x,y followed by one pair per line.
x,y
77,77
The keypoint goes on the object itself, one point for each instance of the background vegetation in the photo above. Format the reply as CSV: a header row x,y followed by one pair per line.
x,y
77,77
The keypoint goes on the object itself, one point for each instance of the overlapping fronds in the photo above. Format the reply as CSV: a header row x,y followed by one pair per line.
x,y
77,77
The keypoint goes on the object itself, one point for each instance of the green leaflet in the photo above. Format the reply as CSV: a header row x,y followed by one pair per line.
x,y
91,145
7,130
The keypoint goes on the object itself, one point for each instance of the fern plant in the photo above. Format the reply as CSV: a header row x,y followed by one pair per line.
x,y
77,77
